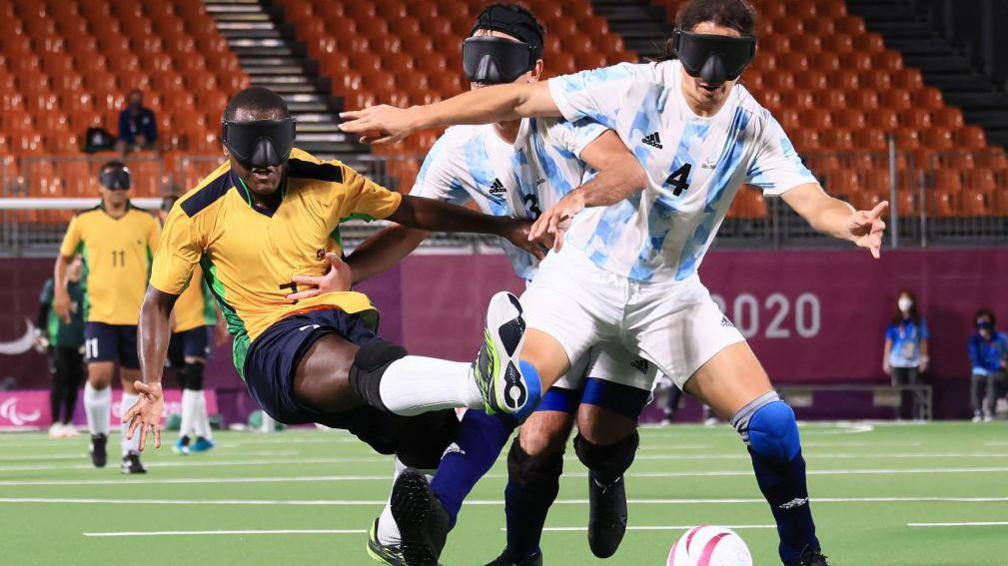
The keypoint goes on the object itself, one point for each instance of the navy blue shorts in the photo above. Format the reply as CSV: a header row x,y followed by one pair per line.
x,y
115,343
193,343
270,367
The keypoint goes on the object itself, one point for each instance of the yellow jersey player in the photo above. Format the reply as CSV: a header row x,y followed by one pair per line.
x,y
116,241
272,212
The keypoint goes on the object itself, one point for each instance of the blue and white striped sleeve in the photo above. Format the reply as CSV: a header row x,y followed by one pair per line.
x,y
440,175
776,166
598,94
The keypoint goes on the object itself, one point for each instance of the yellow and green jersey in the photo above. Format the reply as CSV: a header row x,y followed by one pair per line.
x,y
117,255
250,255
194,307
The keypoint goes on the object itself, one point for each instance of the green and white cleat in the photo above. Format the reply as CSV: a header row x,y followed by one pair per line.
x,y
497,369
388,554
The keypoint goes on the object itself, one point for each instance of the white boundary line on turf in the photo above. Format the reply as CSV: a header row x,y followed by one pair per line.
x,y
964,524
480,502
218,533
210,462
652,528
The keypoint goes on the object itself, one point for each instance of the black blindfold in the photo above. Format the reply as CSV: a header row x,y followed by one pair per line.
x,y
260,143
116,178
494,60
713,58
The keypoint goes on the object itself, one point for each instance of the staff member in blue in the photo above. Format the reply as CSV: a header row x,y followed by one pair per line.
x,y
988,352
906,347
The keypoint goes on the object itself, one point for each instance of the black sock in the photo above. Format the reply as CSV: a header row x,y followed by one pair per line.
x,y
533,484
783,486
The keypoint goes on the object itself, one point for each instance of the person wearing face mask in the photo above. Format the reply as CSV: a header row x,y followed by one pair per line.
x,y
988,352
137,125
906,348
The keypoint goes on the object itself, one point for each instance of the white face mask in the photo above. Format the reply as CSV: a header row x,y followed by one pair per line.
x,y
904,304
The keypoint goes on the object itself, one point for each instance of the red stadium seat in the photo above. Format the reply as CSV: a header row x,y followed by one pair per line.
x,y
970,138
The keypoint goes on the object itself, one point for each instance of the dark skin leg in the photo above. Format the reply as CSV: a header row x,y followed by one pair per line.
x,y
603,427
322,378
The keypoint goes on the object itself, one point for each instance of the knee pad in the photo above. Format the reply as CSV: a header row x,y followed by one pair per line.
x,y
193,373
609,461
538,477
369,364
424,438
769,427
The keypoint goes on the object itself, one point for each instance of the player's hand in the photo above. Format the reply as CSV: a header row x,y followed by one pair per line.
x,y
923,365
886,368
549,229
518,233
379,124
145,414
866,228
62,305
338,278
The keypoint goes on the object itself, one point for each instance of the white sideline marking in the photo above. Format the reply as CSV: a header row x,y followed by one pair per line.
x,y
388,477
655,528
210,463
482,502
965,524
218,533
825,455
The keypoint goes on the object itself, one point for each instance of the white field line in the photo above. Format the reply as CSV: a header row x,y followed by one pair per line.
x,y
480,502
653,528
813,456
225,533
964,524
79,456
388,477
209,462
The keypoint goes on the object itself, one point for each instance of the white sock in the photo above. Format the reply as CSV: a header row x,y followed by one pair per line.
x,y
97,408
388,531
268,424
202,420
128,445
190,409
415,385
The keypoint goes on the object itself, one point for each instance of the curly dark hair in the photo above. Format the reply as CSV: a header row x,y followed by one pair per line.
x,y
738,15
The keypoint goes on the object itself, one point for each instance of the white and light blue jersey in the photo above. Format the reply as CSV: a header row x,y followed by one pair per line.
x,y
695,165
473,163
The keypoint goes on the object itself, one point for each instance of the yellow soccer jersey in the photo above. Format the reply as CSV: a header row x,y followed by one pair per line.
x,y
117,256
194,307
249,255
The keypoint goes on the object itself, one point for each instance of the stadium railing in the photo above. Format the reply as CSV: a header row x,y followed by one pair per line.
x,y
937,198
920,397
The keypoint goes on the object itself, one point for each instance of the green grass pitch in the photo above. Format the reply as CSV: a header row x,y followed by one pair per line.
x,y
877,492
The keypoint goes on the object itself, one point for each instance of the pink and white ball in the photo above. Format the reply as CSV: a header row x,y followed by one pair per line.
x,y
709,546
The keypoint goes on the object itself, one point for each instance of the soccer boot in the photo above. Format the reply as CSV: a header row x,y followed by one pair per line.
x,y
496,369
422,521
607,515
98,455
202,445
181,446
388,554
810,557
131,465
505,560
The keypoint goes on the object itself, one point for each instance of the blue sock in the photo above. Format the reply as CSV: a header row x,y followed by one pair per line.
x,y
480,440
780,472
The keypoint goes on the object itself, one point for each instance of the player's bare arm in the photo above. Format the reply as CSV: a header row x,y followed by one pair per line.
x,y
436,216
620,176
61,299
383,250
836,218
498,103
153,334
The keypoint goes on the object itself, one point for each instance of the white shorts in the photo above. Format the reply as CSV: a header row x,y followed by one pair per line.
x,y
673,324
609,361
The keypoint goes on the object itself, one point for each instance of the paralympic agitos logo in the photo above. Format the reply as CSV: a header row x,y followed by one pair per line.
x,y
9,411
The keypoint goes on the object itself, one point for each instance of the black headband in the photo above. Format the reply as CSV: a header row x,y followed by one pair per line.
x,y
514,22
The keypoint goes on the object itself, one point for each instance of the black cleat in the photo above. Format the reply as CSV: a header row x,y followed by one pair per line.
x,y
607,515
388,554
810,557
506,560
422,521
131,465
98,455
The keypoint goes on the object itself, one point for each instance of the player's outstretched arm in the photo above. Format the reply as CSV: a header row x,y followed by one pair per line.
x,y
836,218
153,334
388,124
619,176
436,216
383,250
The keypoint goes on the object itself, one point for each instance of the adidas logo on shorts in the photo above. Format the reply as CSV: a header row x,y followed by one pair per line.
x,y
640,365
497,188
652,140
726,323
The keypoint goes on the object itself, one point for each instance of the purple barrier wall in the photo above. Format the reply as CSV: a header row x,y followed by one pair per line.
x,y
812,316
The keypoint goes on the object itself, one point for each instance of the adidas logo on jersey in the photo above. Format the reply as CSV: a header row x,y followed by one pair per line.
x,y
497,188
652,140
726,323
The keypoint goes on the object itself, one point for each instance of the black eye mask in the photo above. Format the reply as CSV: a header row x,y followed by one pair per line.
x,y
495,60
713,58
259,143
116,178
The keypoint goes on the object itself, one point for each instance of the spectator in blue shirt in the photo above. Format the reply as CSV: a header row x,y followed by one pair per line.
x,y
906,348
988,352
137,125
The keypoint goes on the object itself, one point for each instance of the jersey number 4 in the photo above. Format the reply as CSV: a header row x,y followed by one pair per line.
x,y
679,180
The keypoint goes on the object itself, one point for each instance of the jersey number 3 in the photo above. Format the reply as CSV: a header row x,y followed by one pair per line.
x,y
679,180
